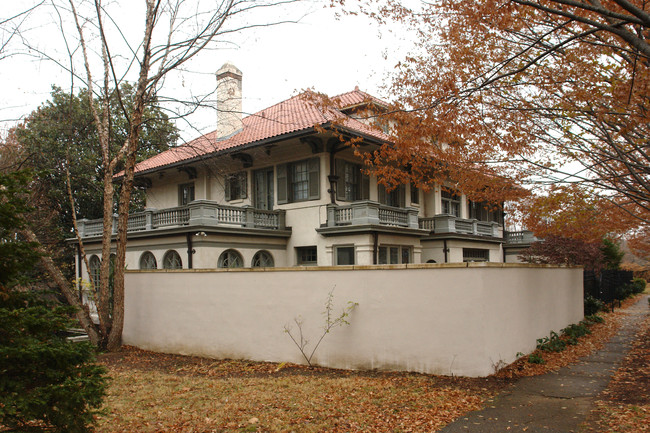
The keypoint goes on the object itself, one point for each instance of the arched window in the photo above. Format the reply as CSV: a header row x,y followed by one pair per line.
x,y
148,261
172,260
230,259
262,259
94,271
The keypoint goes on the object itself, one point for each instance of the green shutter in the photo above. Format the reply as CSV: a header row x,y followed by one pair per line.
x,y
340,185
243,186
314,178
282,183
228,179
365,186
381,192
402,195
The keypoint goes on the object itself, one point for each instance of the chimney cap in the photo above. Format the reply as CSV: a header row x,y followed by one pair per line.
x,y
228,69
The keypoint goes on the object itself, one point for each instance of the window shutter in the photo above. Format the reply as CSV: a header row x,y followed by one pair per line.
x,y
402,195
243,186
415,194
283,183
228,181
314,178
365,186
381,192
340,185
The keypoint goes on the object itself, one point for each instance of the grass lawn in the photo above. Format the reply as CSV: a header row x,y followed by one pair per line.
x,y
167,393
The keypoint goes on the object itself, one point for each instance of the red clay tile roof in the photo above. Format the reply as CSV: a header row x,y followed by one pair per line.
x,y
298,113
357,97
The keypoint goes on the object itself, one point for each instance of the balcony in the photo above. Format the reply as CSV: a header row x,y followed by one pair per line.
x,y
521,237
453,224
370,212
199,213
363,216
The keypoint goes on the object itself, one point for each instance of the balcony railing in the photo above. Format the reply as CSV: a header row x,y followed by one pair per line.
x,y
520,237
454,224
197,213
370,212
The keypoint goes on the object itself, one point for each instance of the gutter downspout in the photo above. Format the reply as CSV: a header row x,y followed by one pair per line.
x,y
190,250
445,250
375,247
333,178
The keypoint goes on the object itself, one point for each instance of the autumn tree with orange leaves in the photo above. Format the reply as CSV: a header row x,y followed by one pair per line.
x,y
536,93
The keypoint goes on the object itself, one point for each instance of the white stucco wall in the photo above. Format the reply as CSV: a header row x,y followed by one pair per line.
x,y
441,319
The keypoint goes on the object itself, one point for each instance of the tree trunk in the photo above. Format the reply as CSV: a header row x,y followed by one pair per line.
x,y
70,295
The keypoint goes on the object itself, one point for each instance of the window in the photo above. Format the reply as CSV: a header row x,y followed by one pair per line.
x,y
393,255
394,198
450,203
148,261
236,186
94,271
299,181
307,256
476,255
185,193
172,260
262,259
230,259
352,183
415,194
344,255
483,211
263,188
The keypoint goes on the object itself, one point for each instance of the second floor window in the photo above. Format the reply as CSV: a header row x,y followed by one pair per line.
x,y
395,197
450,203
185,193
298,181
352,183
236,186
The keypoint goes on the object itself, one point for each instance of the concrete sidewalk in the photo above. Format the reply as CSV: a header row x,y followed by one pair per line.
x,y
556,402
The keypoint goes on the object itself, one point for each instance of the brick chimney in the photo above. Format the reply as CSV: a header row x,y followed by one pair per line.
x,y
229,108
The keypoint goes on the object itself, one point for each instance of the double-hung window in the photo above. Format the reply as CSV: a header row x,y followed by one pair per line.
x,y
185,193
352,183
307,256
299,181
394,255
395,197
476,255
236,186
450,203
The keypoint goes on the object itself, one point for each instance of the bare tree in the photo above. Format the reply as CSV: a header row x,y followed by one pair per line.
x,y
171,35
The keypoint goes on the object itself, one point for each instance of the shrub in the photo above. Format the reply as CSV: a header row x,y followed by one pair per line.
x,y
638,285
534,358
575,331
593,319
592,305
553,343
47,382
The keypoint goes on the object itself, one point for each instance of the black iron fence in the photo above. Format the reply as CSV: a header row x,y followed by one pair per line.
x,y
608,286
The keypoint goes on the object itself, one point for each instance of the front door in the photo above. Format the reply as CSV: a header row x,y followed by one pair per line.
x,y
263,180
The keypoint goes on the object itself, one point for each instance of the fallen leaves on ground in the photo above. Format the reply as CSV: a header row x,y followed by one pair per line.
x,y
152,392
625,405
600,334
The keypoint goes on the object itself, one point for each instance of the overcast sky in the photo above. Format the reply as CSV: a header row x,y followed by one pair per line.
x,y
320,51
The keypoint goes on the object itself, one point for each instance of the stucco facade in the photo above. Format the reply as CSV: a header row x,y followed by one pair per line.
x,y
279,188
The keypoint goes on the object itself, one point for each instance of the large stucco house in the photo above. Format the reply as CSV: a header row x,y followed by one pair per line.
x,y
279,188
